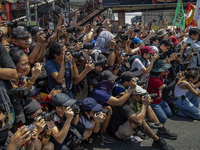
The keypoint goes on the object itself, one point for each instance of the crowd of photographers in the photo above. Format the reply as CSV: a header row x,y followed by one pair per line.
x,y
63,87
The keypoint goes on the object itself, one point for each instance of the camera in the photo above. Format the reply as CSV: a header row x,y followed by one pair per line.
x,y
103,111
88,46
178,55
124,27
154,20
162,56
59,87
47,35
188,44
47,116
124,37
76,107
19,91
70,29
184,65
30,128
120,32
100,62
136,30
99,23
77,55
153,96
141,82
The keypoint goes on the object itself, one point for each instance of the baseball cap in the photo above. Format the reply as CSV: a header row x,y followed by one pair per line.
x,y
137,40
127,76
174,40
33,91
161,32
18,33
146,49
35,30
139,90
90,104
62,99
154,38
108,75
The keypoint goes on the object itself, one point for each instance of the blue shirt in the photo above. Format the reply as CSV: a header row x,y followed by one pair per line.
x,y
51,67
119,88
100,96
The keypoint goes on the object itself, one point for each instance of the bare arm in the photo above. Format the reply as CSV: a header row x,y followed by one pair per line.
x,y
8,74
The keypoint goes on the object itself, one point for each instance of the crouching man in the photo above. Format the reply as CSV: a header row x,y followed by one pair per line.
x,y
125,121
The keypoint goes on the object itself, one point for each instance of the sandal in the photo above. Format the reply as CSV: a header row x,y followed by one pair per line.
x,y
89,140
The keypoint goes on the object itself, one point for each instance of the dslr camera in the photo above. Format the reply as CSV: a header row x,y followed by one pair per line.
x,y
88,46
30,128
103,111
48,116
76,107
153,96
184,65
70,29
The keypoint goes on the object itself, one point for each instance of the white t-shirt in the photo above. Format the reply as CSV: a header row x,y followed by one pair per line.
x,y
139,65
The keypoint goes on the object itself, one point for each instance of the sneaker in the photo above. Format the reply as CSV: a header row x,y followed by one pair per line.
x,y
107,138
163,132
162,145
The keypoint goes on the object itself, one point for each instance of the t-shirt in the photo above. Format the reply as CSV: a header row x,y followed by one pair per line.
x,y
51,67
119,88
153,85
100,96
120,116
139,65
85,122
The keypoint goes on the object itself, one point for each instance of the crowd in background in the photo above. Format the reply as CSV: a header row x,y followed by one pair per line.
x,y
60,88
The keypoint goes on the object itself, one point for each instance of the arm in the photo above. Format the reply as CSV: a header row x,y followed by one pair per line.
x,y
58,76
112,55
119,102
77,13
79,77
60,136
42,51
133,51
8,74
75,120
59,22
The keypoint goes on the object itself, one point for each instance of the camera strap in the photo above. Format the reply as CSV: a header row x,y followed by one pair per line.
x,y
75,132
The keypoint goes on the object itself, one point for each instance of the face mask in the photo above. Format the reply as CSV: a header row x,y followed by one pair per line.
x,y
4,134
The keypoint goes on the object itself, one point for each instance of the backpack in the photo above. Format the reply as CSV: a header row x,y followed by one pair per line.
x,y
167,94
132,59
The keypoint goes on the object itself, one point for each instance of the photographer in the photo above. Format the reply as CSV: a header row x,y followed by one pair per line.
x,y
90,119
193,37
61,132
184,92
59,68
126,120
102,93
141,66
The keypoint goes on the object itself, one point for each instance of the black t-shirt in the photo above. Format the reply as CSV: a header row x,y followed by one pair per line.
x,y
120,116
6,62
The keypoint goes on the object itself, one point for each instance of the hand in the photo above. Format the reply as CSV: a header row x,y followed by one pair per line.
x,y
78,46
179,75
34,137
61,31
46,43
133,84
36,70
120,60
155,57
146,100
77,13
69,113
94,25
120,28
50,125
112,44
141,45
98,68
172,56
89,66
99,118
62,16
40,124
41,37
19,138
54,93
68,57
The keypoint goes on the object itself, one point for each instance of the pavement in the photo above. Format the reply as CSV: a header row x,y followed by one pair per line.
x,y
188,131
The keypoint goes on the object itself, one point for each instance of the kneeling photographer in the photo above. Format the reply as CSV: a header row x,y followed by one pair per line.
x,y
127,120
92,117
67,132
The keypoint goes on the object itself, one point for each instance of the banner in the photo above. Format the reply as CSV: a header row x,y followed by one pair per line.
x,y
189,15
179,19
197,13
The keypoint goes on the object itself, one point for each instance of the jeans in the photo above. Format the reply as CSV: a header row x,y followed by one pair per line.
x,y
162,111
186,107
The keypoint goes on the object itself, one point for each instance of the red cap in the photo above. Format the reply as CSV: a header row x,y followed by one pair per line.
x,y
146,49
174,40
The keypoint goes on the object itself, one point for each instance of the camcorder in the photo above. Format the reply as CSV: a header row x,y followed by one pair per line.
x,y
103,111
153,96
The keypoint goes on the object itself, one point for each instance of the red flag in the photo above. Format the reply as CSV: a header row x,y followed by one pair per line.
x,y
189,15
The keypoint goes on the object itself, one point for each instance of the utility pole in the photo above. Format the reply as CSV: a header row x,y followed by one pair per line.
x,y
67,10
36,13
27,11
